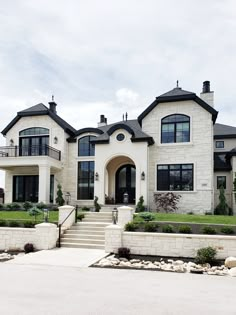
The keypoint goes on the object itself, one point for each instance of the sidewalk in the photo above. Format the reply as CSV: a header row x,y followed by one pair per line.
x,y
67,257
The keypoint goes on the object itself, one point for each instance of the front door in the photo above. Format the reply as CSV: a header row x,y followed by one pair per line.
x,y
125,183
25,188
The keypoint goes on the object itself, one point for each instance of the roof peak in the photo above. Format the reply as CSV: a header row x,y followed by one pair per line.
x,y
177,91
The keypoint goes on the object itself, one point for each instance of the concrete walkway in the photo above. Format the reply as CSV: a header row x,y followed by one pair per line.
x,y
67,257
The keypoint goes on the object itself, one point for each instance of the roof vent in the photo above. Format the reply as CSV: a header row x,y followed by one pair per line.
x,y
52,105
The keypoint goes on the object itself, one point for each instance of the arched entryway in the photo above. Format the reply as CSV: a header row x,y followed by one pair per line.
x,y
125,183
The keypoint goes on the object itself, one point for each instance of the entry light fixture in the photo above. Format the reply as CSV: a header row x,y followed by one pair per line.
x,y
55,140
68,197
142,176
11,142
96,176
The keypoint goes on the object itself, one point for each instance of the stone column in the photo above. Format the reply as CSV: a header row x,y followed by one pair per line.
x,y
233,163
46,235
125,215
64,211
44,183
113,238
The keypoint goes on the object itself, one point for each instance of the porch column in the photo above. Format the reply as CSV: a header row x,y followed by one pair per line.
x,y
233,163
44,183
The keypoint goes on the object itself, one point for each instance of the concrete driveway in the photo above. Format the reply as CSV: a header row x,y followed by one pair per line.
x,y
54,290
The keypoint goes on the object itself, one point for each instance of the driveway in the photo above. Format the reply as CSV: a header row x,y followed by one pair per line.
x,y
55,290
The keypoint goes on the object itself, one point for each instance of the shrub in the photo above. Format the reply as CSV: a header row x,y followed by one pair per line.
x,y
147,216
150,227
9,207
3,223
16,206
29,224
59,200
208,230
1,206
85,209
185,229
34,212
140,205
208,213
166,201
124,252
222,208
41,205
96,204
28,248
168,228
130,227
227,230
27,205
13,224
206,255
80,216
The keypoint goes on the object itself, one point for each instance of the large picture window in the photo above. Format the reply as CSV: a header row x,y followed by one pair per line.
x,y
85,147
175,128
175,177
33,141
85,180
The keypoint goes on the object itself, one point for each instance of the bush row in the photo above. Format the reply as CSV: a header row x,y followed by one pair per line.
x,y
26,206
14,223
168,228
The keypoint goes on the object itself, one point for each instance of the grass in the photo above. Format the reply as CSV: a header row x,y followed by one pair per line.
x,y
211,219
23,215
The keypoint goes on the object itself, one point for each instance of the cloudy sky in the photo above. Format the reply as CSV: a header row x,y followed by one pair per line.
x,y
109,57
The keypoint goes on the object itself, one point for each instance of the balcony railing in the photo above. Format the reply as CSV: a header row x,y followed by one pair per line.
x,y
34,150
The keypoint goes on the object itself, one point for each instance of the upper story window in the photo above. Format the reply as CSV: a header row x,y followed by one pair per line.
x,y
220,144
35,131
175,128
85,147
221,182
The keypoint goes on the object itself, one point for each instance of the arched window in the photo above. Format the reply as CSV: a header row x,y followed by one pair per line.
x,y
33,141
175,128
85,147
35,131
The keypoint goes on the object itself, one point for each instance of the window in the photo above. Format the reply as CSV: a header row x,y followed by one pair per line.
x,y
85,148
175,128
221,181
85,180
33,141
220,144
34,131
120,137
175,177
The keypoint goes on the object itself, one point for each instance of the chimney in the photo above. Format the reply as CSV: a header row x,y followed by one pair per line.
x,y
103,121
52,105
207,95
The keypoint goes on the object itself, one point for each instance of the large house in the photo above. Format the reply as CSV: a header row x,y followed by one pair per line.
x,y
174,145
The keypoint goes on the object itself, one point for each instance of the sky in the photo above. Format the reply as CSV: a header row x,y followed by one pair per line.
x,y
111,57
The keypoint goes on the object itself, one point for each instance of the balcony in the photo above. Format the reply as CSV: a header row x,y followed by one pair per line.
x,y
24,151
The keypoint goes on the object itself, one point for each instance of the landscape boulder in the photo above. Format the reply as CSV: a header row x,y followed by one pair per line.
x,y
230,262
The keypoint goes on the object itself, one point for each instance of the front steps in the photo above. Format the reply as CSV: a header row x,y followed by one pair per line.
x,y
90,233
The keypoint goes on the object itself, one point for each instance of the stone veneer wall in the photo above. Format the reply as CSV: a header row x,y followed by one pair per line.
x,y
164,244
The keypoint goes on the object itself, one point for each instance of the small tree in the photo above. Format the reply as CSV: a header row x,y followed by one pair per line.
x,y
96,204
59,200
166,201
234,184
35,212
222,208
140,205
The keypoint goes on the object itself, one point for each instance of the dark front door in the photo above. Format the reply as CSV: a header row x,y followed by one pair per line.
x,y
125,183
25,188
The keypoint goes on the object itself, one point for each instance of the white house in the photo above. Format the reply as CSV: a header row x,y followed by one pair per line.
x,y
174,145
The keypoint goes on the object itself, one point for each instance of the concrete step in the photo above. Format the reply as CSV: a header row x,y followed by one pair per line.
x,y
100,220
84,236
98,214
78,245
82,241
85,231
91,224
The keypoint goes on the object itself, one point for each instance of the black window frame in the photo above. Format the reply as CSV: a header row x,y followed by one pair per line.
x,y
218,183
175,123
90,150
219,147
165,184
89,178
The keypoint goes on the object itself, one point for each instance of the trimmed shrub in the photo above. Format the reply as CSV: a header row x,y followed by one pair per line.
x,y
3,223
222,208
227,230
28,224
185,229
9,207
13,224
147,216
206,255
130,227
41,205
96,204
80,216
60,200
1,206
150,227
27,205
140,205
208,230
124,252
168,228
85,209
28,248
35,212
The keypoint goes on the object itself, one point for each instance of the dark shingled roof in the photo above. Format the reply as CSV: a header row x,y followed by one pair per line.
x,y
224,131
175,95
222,162
37,110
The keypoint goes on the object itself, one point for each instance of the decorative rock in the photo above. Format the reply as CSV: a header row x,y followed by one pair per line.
x,y
125,264
196,270
134,261
230,262
123,259
232,272
178,262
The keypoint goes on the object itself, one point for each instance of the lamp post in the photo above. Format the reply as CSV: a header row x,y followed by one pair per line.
x,y
114,216
126,198
68,197
46,215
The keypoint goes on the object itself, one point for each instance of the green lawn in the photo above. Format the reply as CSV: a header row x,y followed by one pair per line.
x,y
211,219
23,215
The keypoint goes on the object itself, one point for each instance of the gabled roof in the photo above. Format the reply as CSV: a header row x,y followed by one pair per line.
x,y
175,95
224,131
37,110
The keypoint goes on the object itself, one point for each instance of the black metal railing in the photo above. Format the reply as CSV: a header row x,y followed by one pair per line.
x,y
60,224
34,150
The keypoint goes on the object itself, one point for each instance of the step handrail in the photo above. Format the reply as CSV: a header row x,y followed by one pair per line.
x,y
60,224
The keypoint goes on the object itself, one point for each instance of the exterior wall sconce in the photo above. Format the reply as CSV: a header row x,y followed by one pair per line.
x,y
142,176
96,176
11,142
126,198
68,198
55,140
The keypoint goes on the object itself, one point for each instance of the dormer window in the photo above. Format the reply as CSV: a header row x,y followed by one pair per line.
x,y
175,129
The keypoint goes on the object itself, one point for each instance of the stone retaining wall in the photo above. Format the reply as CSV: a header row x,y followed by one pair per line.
x,y
166,244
